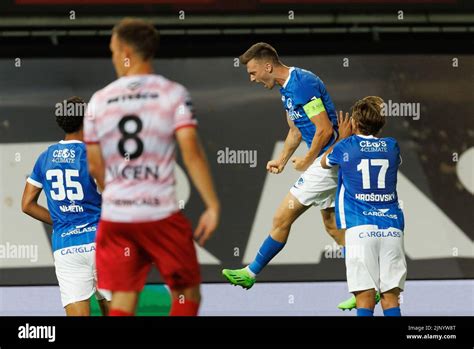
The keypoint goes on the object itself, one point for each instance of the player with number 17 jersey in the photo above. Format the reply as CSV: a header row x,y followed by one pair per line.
x,y
367,191
367,207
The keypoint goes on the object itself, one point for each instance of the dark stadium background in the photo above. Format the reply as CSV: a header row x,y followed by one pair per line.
x,y
404,60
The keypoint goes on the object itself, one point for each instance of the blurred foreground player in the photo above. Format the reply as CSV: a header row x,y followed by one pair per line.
x,y
368,208
73,210
131,131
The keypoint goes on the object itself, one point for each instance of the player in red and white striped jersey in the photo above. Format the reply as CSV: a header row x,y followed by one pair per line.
x,y
131,129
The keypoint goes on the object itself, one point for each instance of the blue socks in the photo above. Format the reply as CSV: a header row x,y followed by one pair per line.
x,y
387,312
392,312
268,250
364,312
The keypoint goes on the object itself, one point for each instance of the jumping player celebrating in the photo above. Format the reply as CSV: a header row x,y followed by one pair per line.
x,y
311,117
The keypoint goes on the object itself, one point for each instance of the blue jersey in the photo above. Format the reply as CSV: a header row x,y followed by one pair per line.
x,y
304,96
367,188
71,193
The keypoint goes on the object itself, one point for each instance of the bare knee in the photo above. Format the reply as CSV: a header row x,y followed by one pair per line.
x,y
78,309
329,220
280,222
365,299
390,299
337,235
124,300
77,312
104,306
281,228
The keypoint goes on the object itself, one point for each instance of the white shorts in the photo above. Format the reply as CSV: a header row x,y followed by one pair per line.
x,y
77,275
375,258
316,186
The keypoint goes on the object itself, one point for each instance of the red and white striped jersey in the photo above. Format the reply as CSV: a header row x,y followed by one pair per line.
x,y
134,120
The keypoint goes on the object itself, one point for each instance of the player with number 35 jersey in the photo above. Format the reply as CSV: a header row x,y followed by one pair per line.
x,y
73,210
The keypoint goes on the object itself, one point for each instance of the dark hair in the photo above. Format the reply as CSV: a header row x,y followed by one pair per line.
x,y
367,113
259,51
139,34
71,122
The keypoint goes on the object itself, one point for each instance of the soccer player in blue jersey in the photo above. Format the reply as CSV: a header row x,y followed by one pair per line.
x,y
312,118
367,207
73,209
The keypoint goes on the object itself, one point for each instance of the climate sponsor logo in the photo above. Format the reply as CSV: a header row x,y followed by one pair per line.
x,y
372,146
64,156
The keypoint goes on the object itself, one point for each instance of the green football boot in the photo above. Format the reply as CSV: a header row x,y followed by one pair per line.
x,y
240,277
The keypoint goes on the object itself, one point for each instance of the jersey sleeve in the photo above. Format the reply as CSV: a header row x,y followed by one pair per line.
x,y
36,177
310,93
90,120
183,110
336,156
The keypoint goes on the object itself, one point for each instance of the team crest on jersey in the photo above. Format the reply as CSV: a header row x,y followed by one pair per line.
x,y
300,181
